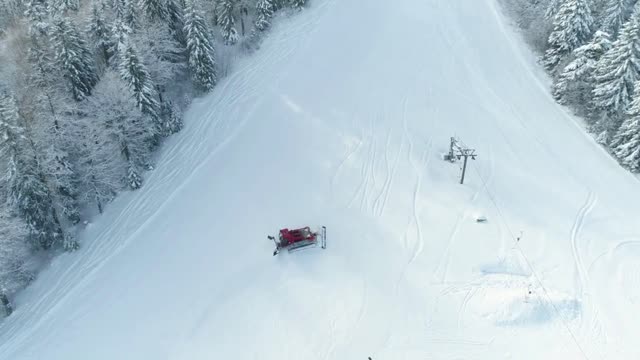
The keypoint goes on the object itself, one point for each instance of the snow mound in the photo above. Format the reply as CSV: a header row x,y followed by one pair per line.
x,y
508,300
515,307
512,264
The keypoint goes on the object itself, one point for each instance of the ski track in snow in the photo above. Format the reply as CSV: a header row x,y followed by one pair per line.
x,y
470,294
578,224
389,185
418,245
364,169
378,207
350,153
370,175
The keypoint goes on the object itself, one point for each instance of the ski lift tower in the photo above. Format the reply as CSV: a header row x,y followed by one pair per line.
x,y
457,150
465,153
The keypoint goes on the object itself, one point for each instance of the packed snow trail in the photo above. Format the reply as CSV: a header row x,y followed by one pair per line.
x,y
340,119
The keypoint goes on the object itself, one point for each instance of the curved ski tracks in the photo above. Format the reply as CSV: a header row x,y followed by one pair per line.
x,y
578,224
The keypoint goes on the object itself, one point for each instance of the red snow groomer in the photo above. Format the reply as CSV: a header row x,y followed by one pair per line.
x,y
298,239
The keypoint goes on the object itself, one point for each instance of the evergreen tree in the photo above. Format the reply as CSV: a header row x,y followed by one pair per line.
x,y
74,59
6,308
36,12
99,32
571,28
552,9
131,11
41,74
119,8
614,15
199,47
14,252
28,191
63,6
626,143
136,76
279,4
172,116
120,33
298,4
265,10
176,22
618,70
45,103
133,177
155,9
227,21
577,76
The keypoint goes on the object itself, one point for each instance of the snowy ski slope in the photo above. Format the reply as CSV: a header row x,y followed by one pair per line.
x,y
341,120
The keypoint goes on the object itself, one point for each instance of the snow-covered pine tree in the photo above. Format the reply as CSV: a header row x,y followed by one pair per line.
x,y
552,9
172,119
136,76
176,22
119,8
618,70
41,74
133,177
626,143
99,32
37,14
265,10
155,9
571,29
200,49
615,13
615,76
297,4
28,192
73,58
63,6
131,11
576,79
227,21
120,34
6,308
14,251
281,4
45,103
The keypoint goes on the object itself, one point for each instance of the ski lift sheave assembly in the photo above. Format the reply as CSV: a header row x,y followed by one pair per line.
x,y
299,239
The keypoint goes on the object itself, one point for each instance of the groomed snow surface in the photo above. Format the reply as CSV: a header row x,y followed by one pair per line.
x,y
341,120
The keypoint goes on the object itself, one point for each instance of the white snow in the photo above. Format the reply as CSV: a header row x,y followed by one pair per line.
x,y
341,120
